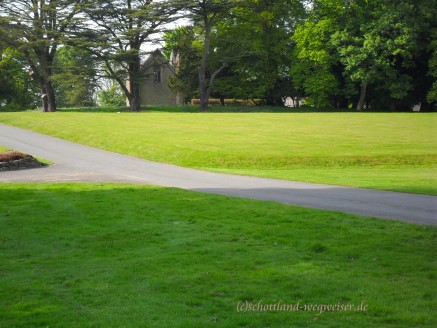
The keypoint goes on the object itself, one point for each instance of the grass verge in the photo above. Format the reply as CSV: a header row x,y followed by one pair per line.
x,y
106,255
3,149
391,151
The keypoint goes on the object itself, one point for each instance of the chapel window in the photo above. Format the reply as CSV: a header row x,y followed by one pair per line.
x,y
157,76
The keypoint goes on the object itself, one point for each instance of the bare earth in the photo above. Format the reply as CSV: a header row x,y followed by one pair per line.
x,y
78,163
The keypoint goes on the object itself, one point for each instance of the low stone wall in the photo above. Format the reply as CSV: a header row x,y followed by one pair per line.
x,y
25,162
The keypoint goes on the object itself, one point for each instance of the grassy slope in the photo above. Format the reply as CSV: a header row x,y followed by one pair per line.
x,y
72,256
393,151
3,149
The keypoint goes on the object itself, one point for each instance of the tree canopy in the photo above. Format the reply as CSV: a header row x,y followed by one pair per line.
x,y
337,53
348,48
36,28
117,32
16,87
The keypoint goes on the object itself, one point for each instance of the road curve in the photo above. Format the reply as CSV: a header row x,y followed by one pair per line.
x,y
76,162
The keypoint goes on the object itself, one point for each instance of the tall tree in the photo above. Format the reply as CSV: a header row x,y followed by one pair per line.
x,y
244,48
316,68
432,94
313,62
426,83
183,44
265,52
17,89
205,14
118,32
74,77
376,43
36,28
378,50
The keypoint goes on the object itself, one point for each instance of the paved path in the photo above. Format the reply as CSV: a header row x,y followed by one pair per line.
x,y
75,162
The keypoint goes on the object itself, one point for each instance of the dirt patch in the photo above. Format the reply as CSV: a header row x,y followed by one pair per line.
x,y
17,161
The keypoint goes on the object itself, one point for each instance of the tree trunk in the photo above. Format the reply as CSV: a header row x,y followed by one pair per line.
x,y
44,74
47,95
51,100
360,104
203,84
134,83
204,97
206,85
210,84
134,96
204,100
44,103
222,101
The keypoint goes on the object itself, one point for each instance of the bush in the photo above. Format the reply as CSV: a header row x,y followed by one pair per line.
x,y
12,107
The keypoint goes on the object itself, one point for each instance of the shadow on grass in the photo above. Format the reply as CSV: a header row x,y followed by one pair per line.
x,y
89,254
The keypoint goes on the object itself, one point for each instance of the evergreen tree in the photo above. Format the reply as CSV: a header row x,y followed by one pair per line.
x,y
36,28
117,33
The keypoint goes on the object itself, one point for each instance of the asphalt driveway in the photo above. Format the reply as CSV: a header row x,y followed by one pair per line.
x,y
74,162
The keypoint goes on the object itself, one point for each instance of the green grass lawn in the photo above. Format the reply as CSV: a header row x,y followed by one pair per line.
x,y
107,255
3,149
392,151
